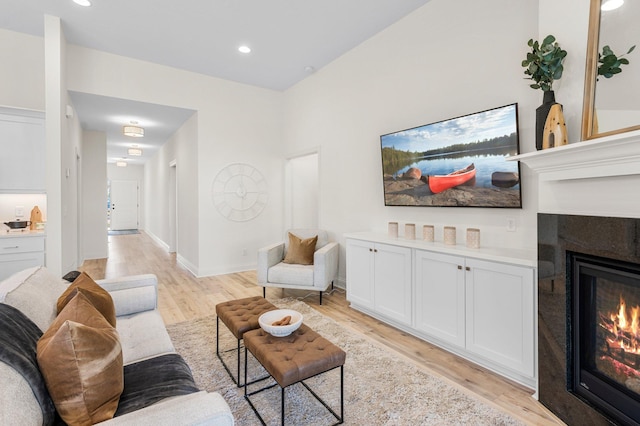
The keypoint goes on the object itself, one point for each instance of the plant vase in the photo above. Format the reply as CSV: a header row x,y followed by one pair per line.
x,y
542,112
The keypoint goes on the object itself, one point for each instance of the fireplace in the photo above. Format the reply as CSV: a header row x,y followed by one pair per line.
x,y
588,306
604,353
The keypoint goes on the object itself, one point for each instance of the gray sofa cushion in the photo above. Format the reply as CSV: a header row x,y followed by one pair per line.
x,y
18,338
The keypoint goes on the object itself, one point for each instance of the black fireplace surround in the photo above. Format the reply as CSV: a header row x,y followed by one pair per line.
x,y
588,302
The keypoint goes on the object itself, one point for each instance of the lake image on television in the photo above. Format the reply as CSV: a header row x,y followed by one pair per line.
x,y
456,162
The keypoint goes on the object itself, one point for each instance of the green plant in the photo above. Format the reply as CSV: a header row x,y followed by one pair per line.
x,y
609,64
544,63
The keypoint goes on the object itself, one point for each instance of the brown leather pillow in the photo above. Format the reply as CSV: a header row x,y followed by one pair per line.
x,y
100,298
80,358
301,251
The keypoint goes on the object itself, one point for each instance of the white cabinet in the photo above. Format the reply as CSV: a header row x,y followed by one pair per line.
x,y
360,273
476,303
439,302
22,143
500,314
381,278
20,252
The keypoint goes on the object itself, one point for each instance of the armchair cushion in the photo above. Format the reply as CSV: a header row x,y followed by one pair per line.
x,y
291,274
300,251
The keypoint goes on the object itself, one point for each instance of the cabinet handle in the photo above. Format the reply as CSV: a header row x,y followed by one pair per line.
x,y
370,249
375,250
460,267
11,248
467,268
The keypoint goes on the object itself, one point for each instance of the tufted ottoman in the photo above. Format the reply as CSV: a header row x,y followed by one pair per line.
x,y
292,359
240,316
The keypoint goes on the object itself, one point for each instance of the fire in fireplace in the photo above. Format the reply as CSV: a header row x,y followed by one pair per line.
x,y
604,358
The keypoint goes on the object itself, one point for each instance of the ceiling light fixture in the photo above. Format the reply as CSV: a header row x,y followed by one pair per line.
x,y
133,131
611,5
134,151
85,3
121,163
244,49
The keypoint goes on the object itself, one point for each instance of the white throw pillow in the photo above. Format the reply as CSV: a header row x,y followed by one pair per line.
x,y
36,296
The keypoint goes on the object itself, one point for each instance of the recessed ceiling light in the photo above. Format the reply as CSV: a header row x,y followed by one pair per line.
x,y
84,3
244,49
611,5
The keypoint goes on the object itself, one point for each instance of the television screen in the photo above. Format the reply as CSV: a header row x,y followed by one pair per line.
x,y
455,162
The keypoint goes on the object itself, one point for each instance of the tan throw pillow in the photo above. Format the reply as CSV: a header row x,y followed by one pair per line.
x,y
100,298
80,358
301,251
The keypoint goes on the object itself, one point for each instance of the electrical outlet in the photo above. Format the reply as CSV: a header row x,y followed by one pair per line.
x,y
19,211
511,224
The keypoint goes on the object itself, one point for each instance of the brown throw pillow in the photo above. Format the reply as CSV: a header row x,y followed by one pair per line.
x,y
100,298
80,358
301,251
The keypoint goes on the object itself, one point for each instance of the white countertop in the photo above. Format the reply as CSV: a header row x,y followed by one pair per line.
x,y
507,255
6,233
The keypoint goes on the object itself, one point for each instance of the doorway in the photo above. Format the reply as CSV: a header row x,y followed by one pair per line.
x,y
123,197
302,191
173,207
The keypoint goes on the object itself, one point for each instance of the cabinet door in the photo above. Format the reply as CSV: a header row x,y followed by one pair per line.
x,y
360,273
500,317
22,163
439,301
392,290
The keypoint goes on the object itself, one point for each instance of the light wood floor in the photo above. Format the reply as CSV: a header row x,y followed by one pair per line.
x,y
184,297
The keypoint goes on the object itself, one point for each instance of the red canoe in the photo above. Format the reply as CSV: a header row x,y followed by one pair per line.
x,y
439,183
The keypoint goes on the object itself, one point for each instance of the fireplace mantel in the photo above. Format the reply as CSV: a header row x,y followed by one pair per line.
x,y
617,155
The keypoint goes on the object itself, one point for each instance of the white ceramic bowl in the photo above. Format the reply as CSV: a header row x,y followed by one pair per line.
x,y
267,319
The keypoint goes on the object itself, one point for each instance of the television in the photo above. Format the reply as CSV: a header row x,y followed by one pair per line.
x,y
457,162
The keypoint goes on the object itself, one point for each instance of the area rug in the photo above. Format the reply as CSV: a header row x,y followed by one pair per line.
x,y
381,387
124,232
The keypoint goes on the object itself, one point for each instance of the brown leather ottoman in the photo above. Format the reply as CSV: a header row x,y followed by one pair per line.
x,y
292,359
240,316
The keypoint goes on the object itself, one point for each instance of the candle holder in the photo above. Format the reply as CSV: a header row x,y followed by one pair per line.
x,y
393,229
428,233
410,231
450,235
473,238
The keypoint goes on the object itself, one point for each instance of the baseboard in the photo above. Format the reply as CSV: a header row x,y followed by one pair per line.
x,y
188,265
223,270
158,240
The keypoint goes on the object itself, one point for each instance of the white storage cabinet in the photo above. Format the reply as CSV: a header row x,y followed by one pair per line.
x,y
477,303
379,277
20,252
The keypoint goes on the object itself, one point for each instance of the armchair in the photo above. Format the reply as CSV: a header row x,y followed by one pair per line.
x,y
273,272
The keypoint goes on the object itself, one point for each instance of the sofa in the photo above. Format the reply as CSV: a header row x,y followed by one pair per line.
x,y
158,385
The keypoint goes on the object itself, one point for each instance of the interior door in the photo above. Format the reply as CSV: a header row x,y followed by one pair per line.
x,y
124,204
302,192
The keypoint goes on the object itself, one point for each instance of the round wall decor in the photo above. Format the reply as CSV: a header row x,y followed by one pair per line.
x,y
239,192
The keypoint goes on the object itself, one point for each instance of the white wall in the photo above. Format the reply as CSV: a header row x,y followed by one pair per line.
x,y
22,70
447,59
182,148
236,123
94,195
